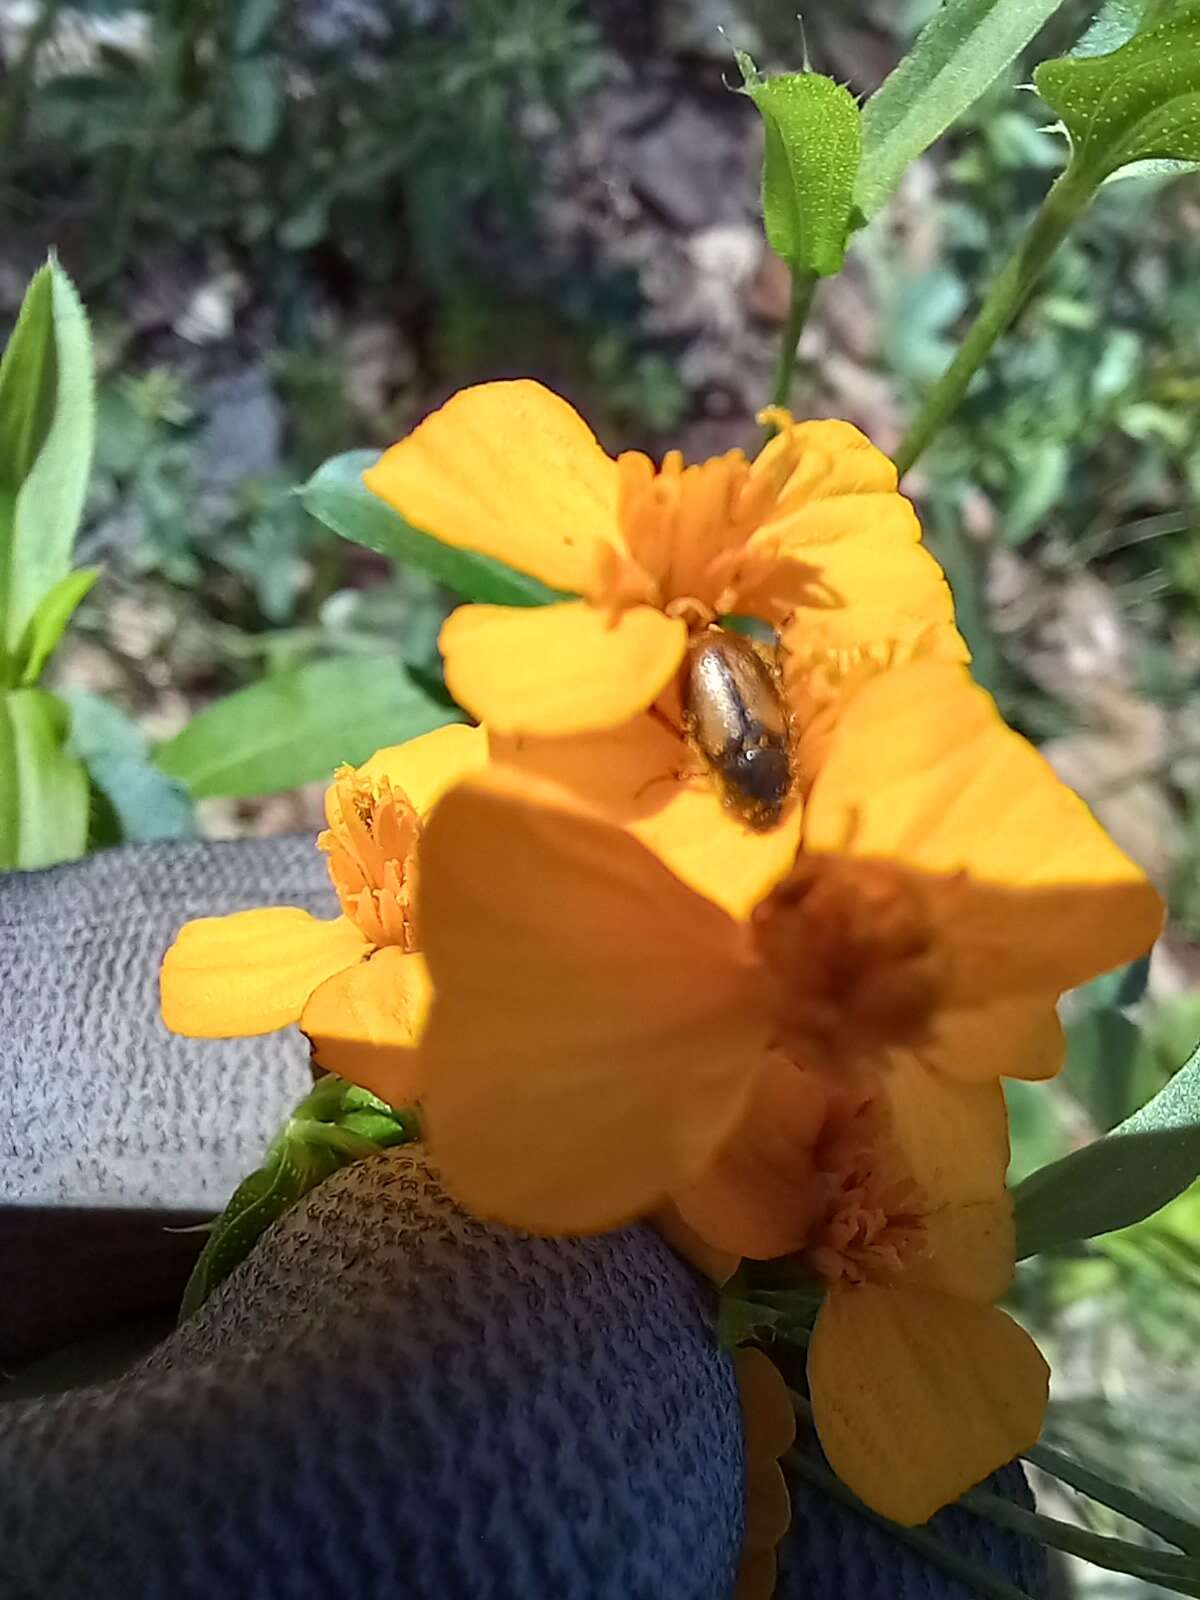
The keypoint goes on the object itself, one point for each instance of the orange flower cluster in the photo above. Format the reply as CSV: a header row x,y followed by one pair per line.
x,y
633,998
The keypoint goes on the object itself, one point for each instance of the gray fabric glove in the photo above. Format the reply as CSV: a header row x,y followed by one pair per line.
x,y
387,1397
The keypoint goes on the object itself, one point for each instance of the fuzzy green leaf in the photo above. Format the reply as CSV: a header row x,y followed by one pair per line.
x,y
1121,1179
1140,102
335,1124
957,56
48,623
147,806
813,146
43,789
47,430
337,496
296,727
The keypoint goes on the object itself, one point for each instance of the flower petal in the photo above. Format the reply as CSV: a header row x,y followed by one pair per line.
x,y
769,1429
916,1396
645,778
559,669
921,768
1013,1038
717,1265
760,1194
595,1027
953,1136
426,767
969,1250
364,1023
768,1418
845,559
512,471
251,972
756,1574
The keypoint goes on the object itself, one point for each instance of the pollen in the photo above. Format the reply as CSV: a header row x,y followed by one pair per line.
x,y
851,958
371,843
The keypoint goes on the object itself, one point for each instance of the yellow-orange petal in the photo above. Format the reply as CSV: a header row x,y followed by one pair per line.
x,y
952,1136
1012,1038
253,971
756,1575
364,1023
561,669
768,1417
920,768
768,1430
716,1265
426,767
968,1250
843,561
645,778
595,1026
760,1193
917,1396
831,458
512,471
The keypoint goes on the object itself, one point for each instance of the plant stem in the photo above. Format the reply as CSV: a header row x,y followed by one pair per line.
x,y
1178,1572
803,287
1127,1502
939,1554
16,102
1066,202
172,42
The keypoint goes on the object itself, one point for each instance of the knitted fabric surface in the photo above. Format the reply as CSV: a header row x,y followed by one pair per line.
x,y
389,1398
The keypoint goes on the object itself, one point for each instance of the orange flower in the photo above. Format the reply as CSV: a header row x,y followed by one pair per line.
x,y
645,777
634,1043
920,1386
813,527
357,984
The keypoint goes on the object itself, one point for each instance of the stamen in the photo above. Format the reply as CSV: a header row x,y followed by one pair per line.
x,y
371,843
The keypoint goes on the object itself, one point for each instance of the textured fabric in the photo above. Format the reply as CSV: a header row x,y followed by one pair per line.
x,y
393,1399
831,1553
99,1104
388,1398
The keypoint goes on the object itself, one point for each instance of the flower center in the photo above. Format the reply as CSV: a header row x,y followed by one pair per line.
x,y
689,530
851,958
371,843
873,1222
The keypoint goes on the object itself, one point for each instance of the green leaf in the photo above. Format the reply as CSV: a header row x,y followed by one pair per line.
x,y
147,805
813,146
336,1123
288,1174
254,102
47,430
43,789
1114,23
296,727
48,623
1140,102
956,57
252,24
337,496
1121,1179
740,1321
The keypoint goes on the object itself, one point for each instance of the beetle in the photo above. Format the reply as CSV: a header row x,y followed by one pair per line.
x,y
735,718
